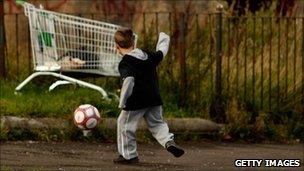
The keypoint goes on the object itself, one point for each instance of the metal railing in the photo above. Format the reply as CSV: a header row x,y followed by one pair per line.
x,y
214,58
263,61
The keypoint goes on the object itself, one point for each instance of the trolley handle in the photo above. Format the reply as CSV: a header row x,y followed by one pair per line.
x,y
26,6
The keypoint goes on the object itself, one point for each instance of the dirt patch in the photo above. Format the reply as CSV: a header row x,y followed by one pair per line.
x,y
32,155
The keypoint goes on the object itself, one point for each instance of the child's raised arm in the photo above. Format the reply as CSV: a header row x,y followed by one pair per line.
x,y
163,43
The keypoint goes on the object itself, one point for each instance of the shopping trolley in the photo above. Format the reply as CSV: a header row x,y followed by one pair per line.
x,y
65,43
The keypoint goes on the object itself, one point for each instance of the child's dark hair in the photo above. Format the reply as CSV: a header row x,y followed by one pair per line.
x,y
124,37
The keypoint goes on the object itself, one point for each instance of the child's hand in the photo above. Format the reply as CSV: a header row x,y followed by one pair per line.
x,y
164,35
120,106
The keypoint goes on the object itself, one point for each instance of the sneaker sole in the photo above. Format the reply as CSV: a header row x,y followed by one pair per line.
x,y
127,161
133,162
177,152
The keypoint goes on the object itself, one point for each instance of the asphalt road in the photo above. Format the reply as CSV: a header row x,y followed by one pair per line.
x,y
29,155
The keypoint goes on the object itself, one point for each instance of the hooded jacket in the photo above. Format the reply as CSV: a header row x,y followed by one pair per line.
x,y
138,72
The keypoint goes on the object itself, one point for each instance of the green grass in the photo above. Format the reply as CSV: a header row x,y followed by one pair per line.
x,y
5,168
34,100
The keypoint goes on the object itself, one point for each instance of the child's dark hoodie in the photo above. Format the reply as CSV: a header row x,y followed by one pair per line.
x,y
139,67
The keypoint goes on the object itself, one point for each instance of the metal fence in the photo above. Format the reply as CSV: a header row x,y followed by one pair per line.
x,y
214,59
264,60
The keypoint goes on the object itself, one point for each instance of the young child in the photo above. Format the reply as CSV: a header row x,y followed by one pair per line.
x,y
140,96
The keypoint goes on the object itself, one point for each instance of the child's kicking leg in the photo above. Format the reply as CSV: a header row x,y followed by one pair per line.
x,y
126,131
160,131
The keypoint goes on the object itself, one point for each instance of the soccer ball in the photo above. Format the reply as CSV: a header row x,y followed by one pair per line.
x,y
86,117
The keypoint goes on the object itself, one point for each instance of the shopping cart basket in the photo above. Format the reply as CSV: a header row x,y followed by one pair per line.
x,y
65,43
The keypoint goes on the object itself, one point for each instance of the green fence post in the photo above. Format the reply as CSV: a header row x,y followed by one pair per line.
x,y
217,108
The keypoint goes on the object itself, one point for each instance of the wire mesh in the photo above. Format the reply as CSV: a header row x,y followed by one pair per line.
x,y
69,43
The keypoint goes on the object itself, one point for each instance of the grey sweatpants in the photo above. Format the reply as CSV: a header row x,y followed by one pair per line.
x,y
127,125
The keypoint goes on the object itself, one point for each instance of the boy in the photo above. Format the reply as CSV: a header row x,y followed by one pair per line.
x,y
140,96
